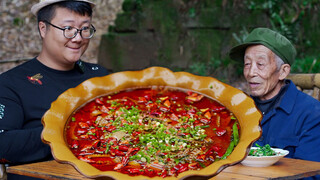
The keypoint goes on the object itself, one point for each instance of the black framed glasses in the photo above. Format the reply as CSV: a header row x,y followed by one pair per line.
x,y
71,32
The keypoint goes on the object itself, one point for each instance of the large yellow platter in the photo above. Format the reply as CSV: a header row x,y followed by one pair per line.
x,y
235,100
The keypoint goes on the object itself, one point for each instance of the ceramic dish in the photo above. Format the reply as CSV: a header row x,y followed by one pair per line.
x,y
235,100
264,161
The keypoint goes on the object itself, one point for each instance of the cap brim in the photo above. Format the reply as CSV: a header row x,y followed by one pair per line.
x,y
237,52
35,8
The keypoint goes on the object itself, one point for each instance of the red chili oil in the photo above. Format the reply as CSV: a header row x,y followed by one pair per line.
x,y
85,137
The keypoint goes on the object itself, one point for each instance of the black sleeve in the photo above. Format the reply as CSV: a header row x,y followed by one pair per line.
x,y
23,146
18,144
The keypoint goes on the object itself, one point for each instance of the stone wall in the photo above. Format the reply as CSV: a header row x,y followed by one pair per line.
x,y
196,36
19,38
175,34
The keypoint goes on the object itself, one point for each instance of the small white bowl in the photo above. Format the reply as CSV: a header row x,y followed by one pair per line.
x,y
264,161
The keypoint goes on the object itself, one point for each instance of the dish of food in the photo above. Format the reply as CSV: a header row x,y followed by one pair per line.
x,y
237,107
259,151
263,156
152,131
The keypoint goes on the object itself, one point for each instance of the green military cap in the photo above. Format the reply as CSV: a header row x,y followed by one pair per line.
x,y
276,42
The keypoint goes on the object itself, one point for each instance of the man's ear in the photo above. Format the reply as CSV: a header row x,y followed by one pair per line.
x,y
42,29
284,71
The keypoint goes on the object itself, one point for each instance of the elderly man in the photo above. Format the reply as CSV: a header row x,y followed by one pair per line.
x,y
291,118
27,90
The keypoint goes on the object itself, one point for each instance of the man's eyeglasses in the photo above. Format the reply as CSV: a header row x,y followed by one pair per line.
x,y
71,32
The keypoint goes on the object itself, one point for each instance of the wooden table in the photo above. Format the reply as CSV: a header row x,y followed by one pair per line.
x,y
284,169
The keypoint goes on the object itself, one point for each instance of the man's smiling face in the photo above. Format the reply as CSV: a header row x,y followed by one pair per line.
x,y
60,52
261,73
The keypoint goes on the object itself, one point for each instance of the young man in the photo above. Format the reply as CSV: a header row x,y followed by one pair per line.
x,y
291,118
28,90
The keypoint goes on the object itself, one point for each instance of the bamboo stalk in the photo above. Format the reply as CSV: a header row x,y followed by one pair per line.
x,y
307,82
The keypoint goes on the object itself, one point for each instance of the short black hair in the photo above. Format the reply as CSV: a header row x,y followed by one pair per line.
x,y
47,13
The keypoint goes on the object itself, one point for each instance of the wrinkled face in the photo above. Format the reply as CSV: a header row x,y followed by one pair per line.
x,y
59,51
260,71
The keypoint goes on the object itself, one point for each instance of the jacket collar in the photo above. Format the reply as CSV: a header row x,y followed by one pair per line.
x,y
286,104
289,99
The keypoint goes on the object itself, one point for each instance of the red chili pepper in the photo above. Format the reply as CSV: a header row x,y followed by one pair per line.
x,y
199,124
136,140
125,160
112,107
90,146
142,100
218,108
134,171
112,140
224,114
156,113
151,105
220,132
150,172
174,117
98,100
118,153
201,157
92,137
181,167
84,136
164,109
132,151
104,109
193,165
95,143
123,148
118,166
186,126
81,131
206,121
217,149
148,97
136,133
83,125
85,159
128,103
164,174
75,144
189,93
87,152
196,122
111,128
192,112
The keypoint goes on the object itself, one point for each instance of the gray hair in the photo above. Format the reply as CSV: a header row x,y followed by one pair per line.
x,y
280,62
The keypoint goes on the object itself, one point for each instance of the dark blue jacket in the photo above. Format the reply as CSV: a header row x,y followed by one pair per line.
x,y
294,125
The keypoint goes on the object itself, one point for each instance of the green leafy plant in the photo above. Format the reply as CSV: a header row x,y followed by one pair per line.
x,y
206,69
306,65
286,16
243,34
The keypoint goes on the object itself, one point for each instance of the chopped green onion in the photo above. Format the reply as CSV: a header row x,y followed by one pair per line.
x,y
206,126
